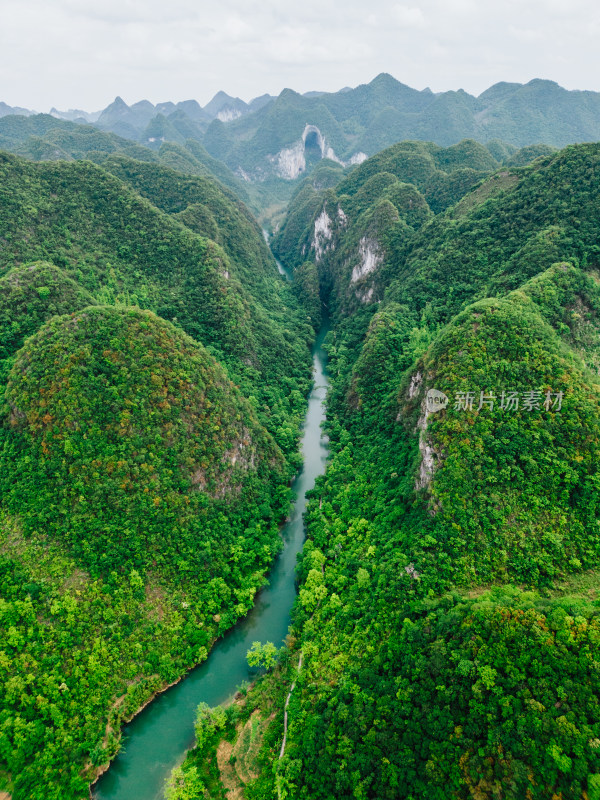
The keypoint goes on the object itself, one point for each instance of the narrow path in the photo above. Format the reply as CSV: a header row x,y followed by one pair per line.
x,y
285,712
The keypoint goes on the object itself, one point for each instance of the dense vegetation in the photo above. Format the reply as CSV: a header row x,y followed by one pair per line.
x,y
415,504
371,117
45,138
368,234
144,470
153,369
208,209
121,248
29,296
495,696
241,143
419,680
81,655
116,416
354,226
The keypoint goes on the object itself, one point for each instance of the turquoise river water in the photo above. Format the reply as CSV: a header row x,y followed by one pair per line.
x,y
156,740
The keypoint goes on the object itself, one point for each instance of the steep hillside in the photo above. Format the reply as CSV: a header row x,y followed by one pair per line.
x,y
368,235
143,482
283,137
350,125
158,494
43,137
153,374
115,415
462,697
29,296
464,417
494,240
120,248
210,210
355,230
500,485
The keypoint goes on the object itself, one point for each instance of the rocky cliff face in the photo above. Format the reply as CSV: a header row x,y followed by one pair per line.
x,y
349,253
290,162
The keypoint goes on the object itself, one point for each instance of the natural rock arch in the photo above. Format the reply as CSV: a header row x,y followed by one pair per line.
x,y
311,132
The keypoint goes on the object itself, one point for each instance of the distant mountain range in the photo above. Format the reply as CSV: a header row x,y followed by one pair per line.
x,y
137,116
281,137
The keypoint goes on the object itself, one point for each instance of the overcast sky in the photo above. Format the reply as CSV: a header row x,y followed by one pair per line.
x,y
82,53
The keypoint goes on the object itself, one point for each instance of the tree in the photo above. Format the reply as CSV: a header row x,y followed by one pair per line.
x,y
262,655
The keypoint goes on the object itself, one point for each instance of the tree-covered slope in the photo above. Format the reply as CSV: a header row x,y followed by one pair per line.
x,y
125,443
495,232
42,137
208,209
143,480
121,248
371,117
460,698
550,213
493,696
354,229
30,295
270,138
416,680
502,484
126,427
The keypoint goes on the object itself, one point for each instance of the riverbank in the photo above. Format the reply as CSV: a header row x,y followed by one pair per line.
x,y
99,772
159,735
237,753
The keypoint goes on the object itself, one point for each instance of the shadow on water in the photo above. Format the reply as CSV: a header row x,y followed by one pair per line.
x,y
156,740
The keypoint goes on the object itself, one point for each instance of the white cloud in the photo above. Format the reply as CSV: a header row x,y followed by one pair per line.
x,y
298,46
526,34
130,11
409,17
84,52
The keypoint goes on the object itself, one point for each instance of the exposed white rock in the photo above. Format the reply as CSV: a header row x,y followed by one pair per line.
x,y
243,175
322,236
358,158
415,384
371,257
343,219
330,154
365,295
229,114
290,161
308,129
427,452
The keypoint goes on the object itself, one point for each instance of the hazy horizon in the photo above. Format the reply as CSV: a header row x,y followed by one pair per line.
x,y
78,54
132,101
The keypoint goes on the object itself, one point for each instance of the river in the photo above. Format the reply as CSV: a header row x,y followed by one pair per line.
x,y
156,740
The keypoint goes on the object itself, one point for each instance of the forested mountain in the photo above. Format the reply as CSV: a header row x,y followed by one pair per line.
x,y
154,369
283,137
482,492
371,117
139,120
448,614
119,245
356,227
153,383
45,138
